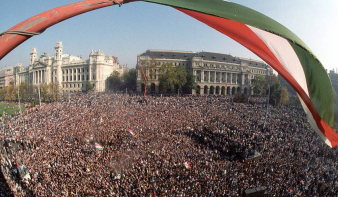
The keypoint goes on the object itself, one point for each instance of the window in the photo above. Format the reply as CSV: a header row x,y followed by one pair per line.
x,y
79,77
67,78
93,77
87,77
63,78
83,70
82,77
70,78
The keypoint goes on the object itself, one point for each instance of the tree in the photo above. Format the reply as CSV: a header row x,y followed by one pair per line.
x,y
129,79
23,91
150,67
181,76
284,96
10,89
191,83
114,81
167,76
89,87
2,93
259,83
14,94
275,93
45,92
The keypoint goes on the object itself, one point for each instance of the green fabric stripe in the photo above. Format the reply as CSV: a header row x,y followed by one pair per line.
x,y
319,84
237,13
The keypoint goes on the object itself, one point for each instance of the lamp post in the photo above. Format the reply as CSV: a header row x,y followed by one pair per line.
x,y
267,104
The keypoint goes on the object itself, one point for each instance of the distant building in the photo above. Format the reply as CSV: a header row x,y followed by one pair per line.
x,y
71,72
334,79
215,73
6,76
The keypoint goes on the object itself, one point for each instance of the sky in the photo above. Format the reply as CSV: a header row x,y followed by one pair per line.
x,y
133,28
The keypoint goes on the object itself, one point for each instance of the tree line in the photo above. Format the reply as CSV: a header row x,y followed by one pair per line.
x,y
170,78
124,82
29,92
261,85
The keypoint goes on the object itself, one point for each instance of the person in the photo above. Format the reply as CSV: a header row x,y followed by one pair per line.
x,y
208,132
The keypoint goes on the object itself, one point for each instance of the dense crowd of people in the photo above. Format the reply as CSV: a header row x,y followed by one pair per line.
x,y
118,145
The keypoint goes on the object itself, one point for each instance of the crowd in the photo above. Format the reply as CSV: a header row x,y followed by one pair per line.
x,y
167,146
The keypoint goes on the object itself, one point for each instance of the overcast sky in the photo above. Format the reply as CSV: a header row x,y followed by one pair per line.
x,y
135,27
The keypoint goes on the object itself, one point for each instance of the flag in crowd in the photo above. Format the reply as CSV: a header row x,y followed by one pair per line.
x,y
131,132
186,165
98,146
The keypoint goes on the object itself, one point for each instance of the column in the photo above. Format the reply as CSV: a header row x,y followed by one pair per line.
x,y
202,76
230,78
195,73
214,76
90,72
226,78
69,74
209,76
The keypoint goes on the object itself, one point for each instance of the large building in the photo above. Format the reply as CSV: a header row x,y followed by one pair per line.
x,y
6,76
215,73
72,73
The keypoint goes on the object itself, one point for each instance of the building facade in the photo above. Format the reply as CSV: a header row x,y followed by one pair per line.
x,y
216,74
7,76
72,73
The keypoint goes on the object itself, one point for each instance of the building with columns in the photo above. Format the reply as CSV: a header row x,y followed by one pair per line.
x,y
215,73
71,72
7,76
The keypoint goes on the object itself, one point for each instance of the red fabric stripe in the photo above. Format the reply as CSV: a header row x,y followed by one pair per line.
x,y
245,36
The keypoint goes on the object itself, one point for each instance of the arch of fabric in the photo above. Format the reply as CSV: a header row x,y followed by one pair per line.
x,y
268,39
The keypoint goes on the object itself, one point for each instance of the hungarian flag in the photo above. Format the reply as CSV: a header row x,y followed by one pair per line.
x,y
186,165
285,52
98,146
131,132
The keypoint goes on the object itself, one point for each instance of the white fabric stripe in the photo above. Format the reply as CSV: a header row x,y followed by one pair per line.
x,y
313,123
285,54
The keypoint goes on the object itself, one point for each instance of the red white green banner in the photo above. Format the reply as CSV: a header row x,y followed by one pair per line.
x,y
131,132
98,146
278,47
187,165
